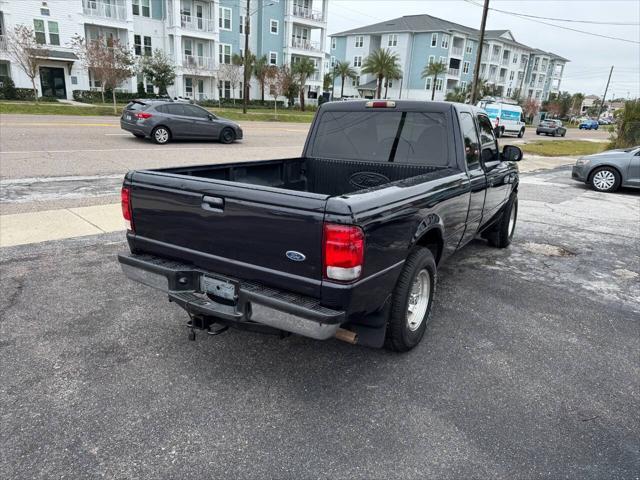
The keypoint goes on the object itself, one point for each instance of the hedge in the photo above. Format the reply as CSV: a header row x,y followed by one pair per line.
x,y
91,96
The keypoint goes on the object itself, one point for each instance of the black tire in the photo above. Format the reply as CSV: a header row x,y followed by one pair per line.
x,y
597,186
502,233
553,134
400,337
563,133
521,133
227,135
537,132
498,133
159,137
138,135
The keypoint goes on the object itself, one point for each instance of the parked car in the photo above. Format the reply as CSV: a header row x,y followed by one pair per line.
x,y
588,125
610,170
166,120
344,241
551,127
505,117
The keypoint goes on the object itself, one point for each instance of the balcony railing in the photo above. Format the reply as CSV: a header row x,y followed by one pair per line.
x,y
198,63
495,58
457,51
96,8
199,24
306,45
3,43
307,13
454,72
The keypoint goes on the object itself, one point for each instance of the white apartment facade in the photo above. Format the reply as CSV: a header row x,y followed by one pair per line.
x,y
198,35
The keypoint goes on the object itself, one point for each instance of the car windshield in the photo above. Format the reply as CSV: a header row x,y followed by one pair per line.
x,y
383,136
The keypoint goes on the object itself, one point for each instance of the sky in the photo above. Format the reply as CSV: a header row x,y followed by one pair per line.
x,y
591,57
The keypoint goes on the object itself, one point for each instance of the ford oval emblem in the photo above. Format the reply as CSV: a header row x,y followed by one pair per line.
x,y
368,179
296,256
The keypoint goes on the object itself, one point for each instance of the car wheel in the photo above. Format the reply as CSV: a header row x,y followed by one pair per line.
x,y
161,135
553,134
502,233
227,135
411,301
563,133
537,133
605,179
521,133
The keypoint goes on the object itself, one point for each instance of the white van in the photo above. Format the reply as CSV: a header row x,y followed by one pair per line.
x,y
505,117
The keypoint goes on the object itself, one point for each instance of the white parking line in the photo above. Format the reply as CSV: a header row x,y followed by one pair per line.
x,y
159,148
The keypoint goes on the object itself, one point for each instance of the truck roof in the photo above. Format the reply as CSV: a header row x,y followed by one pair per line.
x,y
401,105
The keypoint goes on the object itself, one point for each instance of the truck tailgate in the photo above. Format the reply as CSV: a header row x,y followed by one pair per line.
x,y
240,230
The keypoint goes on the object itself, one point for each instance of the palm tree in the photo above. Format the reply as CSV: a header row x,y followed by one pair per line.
x,y
457,95
434,70
482,88
381,63
303,69
327,80
344,71
261,72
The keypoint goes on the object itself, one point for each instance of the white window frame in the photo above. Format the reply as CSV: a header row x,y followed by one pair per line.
x,y
469,49
222,54
509,92
515,58
277,24
445,40
427,83
393,40
443,60
463,85
359,43
432,59
221,20
332,61
242,25
357,61
333,43
465,67
271,55
434,39
439,84
512,75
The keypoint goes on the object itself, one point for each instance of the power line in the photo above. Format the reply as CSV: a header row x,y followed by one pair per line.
x,y
519,15
594,22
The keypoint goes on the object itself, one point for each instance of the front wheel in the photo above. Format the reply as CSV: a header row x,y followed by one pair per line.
x,y
411,301
227,136
503,231
605,179
521,133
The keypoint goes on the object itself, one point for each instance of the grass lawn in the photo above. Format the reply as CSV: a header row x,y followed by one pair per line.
x,y
561,148
51,108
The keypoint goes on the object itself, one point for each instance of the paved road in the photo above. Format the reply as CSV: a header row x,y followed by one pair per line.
x,y
45,146
529,368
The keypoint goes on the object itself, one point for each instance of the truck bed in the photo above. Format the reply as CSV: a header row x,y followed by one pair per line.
x,y
313,175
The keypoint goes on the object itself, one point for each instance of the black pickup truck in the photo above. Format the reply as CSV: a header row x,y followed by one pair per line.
x,y
344,241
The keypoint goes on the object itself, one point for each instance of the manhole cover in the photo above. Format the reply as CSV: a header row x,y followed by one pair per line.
x,y
547,250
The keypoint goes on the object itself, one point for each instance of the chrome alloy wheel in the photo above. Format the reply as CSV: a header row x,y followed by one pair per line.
x,y
604,180
162,135
418,300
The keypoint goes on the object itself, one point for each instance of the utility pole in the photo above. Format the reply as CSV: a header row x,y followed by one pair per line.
x,y
604,97
247,67
476,70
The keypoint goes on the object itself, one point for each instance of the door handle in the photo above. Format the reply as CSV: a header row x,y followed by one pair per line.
x,y
213,204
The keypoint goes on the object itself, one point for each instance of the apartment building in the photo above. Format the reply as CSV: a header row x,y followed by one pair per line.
x,y
198,36
419,40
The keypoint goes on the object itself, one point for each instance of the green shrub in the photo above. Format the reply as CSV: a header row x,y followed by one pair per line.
x,y
47,99
141,90
228,103
628,126
24,94
8,91
92,96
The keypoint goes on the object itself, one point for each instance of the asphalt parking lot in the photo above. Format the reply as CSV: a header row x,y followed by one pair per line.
x,y
529,368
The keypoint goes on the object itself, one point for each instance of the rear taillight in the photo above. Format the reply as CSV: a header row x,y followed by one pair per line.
x,y
125,200
143,115
343,252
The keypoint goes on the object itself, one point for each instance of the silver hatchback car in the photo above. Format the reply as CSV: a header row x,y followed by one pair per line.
x,y
165,120
610,170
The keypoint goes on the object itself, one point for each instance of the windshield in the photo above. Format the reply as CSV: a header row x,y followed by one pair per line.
x,y
383,136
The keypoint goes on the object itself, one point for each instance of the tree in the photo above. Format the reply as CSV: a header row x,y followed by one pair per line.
x,y
628,126
530,108
344,71
288,83
303,69
159,69
261,70
272,80
457,95
232,74
327,81
25,51
576,103
433,70
481,89
381,63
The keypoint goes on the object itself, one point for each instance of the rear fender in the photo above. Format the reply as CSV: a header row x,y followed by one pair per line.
x,y
430,234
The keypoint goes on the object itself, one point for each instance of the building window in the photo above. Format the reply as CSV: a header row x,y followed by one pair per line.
x,y
465,67
147,46
509,92
511,75
434,39
515,58
427,84
54,34
38,27
242,26
141,7
469,47
188,47
389,84
333,44
463,85
188,87
224,51
439,83
44,11
357,61
273,58
443,60
393,40
355,82
274,27
431,59
445,41
224,21
333,61
359,41
137,44
224,89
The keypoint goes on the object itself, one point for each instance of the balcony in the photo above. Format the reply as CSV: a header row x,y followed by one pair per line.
x,y
457,51
112,11
307,13
454,72
194,62
307,45
197,24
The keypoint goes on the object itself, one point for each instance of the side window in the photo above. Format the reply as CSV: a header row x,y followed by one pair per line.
x,y
197,112
487,140
161,108
471,142
175,109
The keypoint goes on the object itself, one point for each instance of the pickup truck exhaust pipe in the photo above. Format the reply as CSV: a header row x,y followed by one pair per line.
x,y
347,336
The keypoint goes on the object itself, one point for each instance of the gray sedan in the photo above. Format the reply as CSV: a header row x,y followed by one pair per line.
x,y
164,120
610,170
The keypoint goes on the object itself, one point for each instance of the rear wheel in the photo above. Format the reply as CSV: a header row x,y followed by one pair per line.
x,y
227,135
521,133
503,231
411,301
161,135
605,179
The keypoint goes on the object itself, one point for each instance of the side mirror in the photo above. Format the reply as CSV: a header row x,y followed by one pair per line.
x,y
511,153
211,117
